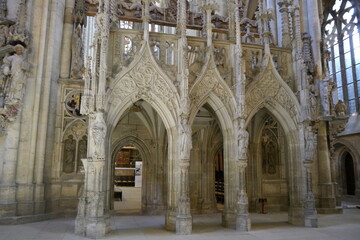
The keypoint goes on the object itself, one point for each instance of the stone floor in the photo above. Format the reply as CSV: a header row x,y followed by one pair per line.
x,y
264,226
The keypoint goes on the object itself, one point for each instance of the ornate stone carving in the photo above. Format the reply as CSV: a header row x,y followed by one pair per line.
x,y
243,140
97,134
12,81
77,53
307,53
144,79
186,139
341,109
208,83
267,89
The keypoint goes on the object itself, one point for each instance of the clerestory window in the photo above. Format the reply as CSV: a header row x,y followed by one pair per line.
x,y
342,37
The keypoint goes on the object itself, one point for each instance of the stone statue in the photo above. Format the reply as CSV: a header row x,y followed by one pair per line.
x,y
77,54
243,140
309,144
98,133
340,109
69,154
13,70
186,139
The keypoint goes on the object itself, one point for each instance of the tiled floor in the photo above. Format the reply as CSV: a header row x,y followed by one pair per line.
x,y
206,227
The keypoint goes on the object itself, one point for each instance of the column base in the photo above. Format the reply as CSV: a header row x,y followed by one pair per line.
x,y
229,219
296,216
184,225
243,223
93,228
170,221
310,218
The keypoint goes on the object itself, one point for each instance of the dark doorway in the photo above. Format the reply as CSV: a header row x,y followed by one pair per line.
x,y
349,175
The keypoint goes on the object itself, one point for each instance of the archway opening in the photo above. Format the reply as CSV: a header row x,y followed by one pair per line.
x,y
349,174
267,172
139,144
127,179
219,179
207,142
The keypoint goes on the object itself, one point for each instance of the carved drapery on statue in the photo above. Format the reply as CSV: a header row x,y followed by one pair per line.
x,y
12,81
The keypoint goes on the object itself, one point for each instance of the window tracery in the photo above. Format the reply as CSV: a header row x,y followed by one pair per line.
x,y
342,40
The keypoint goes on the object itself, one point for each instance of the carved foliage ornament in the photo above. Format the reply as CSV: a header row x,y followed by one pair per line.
x,y
207,84
268,89
146,81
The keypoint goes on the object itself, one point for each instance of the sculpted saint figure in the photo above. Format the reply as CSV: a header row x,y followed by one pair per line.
x,y
15,75
340,109
243,139
186,141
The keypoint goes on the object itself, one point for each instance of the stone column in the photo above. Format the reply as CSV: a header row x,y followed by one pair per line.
x,y
146,19
232,32
242,217
310,214
66,41
327,200
270,4
286,41
208,8
92,220
315,32
183,216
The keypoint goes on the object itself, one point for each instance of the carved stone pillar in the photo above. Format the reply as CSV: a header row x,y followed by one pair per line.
x,y
208,8
66,41
93,220
242,204
327,201
146,19
270,4
285,28
232,32
242,218
184,218
310,214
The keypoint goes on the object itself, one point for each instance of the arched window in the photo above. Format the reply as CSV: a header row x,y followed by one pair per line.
x,y
342,37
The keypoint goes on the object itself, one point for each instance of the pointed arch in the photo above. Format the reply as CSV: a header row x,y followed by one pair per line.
x,y
143,79
270,89
210,83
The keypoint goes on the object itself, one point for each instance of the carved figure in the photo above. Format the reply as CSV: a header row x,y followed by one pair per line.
x,y
14,70
309,144
186,140
77,54
243,140
340,109
98,131
69,154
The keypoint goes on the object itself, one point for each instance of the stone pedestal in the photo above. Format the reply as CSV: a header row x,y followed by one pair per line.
x,y
184,225
170,220
243,223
